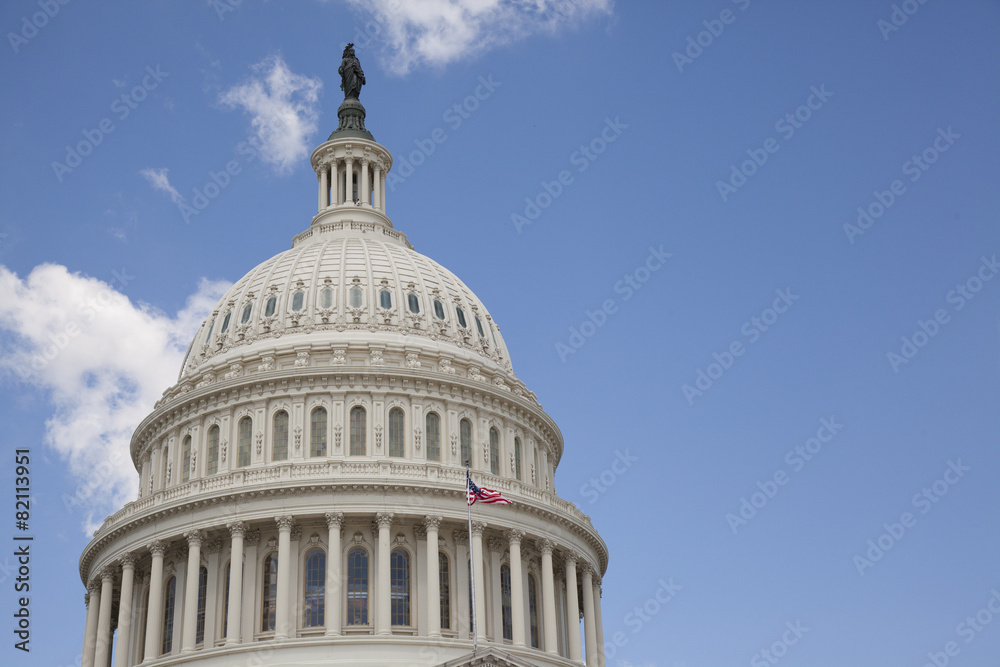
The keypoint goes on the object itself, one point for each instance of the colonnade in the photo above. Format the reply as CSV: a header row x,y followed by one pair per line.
x,y
351,180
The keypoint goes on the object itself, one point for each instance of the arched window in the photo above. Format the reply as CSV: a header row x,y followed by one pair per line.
x,y
245,434
357,586
272,303
246,314
356,297
433,437
297,300
465,436
199,636
225,604
508,625
444,586
359,441
225,321
279,437
494,451
317,432
186,451
396,422
165,468
438,309
479,326
212,465
517,458
315,589
533,609
168,616
269,592
399,572
461,317
413,302
385,299
326,298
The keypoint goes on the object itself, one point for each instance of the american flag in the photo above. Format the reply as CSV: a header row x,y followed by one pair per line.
x,y
474,493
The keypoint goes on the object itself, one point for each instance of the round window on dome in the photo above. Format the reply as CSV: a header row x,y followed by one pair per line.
x,y
272,303
461,318
479,325
246,314
297,300
356,297
225,322
413,303
438,309
385,299
326,298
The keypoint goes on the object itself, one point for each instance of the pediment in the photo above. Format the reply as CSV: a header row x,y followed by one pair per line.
x,y
488,658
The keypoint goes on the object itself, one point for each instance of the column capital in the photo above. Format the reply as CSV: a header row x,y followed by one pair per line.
x,y
194,537
478,527
213,545
284,522
432,521
495,544
157,548
585,568
420,532
107,572
384,520
545,545
296,533
237,528
94,586
252,537
570,557
514,536
334,520
460,536
86,599
128,560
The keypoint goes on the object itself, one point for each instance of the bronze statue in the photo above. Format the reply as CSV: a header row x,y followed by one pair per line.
x,y
351,75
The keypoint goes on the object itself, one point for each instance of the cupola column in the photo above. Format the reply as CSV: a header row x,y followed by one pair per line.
x,y
324,187
382,190
93,599
236,529
125,609
334,585
102,647
572,608
477,573
377,185
364,195
383,601
433,577
191,581
516,587
551,643
589,627
281,614
349,181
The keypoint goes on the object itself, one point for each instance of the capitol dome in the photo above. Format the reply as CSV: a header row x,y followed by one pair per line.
x,y
302,487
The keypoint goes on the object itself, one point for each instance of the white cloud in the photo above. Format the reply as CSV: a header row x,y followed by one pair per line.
x,y
158,179
284,110
438,32
102,362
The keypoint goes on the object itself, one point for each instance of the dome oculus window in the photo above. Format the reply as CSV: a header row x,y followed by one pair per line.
x,y
385,299
326,298
438,309
413,303
461,318
297,300
272,303
246,314
355,297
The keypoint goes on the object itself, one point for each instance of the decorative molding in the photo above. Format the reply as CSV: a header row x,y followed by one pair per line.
x,y
478,527
433,521
420,532
514,536
128,560
334,520
194,537
252,537
157,548
384,520
284,522
237,528
495,544
296,533
266,363
213,545
460,537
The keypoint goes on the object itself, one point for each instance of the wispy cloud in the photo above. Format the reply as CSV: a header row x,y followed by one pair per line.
x,y
102,362
158,179
283,108
438,32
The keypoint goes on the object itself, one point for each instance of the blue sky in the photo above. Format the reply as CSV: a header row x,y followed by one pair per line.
x,y
740,138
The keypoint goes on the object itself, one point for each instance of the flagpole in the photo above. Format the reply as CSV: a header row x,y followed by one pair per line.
x,y
472,568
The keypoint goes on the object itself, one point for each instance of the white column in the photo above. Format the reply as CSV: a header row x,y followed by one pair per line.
x,y
324,188
212,548
102,647
516,587
251,541
154,613
338,182
477,573
377,182
93,599
281,612
382,189
334,583
589,627
363,185
383,599
550,642
125,609
598,623
496,546
192,575
461,567
433,577
236,529
572,608
349,181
